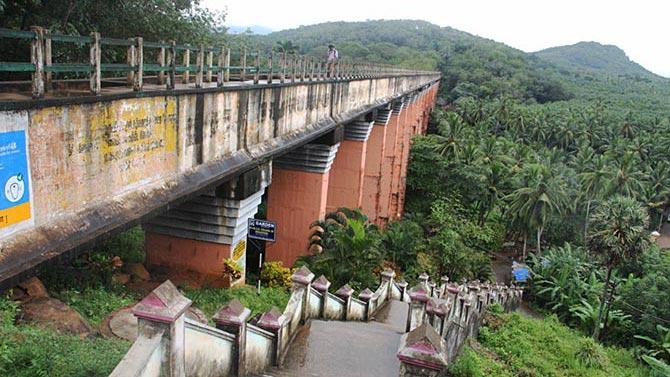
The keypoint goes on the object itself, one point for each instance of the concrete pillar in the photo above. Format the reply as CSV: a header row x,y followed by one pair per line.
x,y
298,196
419,297
321,285
345,184
232,318
275,322
422,352
345,292
163,310
401,149
412,128
390,151
191,242
374,162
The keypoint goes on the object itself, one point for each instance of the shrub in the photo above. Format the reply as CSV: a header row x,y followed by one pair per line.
x,y
27,351
590,354
209,300
274,274
96,303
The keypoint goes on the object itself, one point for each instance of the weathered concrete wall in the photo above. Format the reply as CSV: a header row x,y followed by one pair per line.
x,y
98,163
208,351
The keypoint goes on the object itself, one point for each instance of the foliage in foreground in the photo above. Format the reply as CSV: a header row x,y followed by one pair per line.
x,y
514,345
209,300
28,351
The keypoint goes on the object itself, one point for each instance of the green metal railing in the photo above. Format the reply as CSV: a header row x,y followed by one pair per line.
x,y
212,64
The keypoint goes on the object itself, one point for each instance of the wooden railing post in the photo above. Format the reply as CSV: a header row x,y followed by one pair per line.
x,y
37,59
47,61
161,62
130,60
243,64
210,64
226,77
221,64
199,66
172,62
187,65
282,68
258,67
139,64
95,84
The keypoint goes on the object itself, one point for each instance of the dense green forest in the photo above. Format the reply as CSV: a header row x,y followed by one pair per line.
x,y
561,155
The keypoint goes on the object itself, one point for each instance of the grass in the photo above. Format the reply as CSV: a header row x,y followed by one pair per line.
x,y
209,300
27,351
96,303
85,285
514,345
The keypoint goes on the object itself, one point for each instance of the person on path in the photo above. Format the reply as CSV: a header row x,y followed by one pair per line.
x,y
333,57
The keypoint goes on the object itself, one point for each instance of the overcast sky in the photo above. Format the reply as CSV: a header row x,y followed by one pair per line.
x,y
639,27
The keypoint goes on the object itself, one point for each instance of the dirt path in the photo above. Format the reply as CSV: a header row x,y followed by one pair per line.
x,y
664,240
502,269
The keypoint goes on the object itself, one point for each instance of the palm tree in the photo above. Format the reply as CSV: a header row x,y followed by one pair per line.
x,y
593,180
286,47
542,195
450,137
619,232
626,178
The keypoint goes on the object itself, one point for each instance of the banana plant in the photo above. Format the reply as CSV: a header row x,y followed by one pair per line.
x,y
660,346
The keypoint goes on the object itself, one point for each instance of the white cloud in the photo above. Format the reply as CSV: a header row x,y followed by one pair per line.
x,y
640,28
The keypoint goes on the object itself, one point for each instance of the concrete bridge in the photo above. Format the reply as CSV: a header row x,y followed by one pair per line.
x,y
191,157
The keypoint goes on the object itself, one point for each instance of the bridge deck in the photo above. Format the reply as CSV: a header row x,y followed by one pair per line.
x,y
336,349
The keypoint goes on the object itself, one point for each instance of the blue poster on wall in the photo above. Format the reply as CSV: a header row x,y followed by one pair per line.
x,y
14,179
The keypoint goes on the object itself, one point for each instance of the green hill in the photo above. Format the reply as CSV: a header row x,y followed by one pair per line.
x,y
596,57
482,68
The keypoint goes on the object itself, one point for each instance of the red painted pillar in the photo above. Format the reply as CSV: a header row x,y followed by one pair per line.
x,y
298,197
374,162
345,186
401,145
392,136
190,242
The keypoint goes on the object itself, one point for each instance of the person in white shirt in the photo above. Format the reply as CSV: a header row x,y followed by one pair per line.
x,y
333,57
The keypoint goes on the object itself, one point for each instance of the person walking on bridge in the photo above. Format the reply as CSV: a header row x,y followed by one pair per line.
x,y
333,57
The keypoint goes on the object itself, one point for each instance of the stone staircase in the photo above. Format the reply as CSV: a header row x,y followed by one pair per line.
x,y
352,349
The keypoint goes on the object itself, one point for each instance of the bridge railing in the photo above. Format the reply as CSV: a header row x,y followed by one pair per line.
x,y
177,64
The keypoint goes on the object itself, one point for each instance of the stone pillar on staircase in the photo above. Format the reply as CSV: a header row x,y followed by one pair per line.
x,y
422,352
345,184
419,297
192,241
162,313
298,195
232,318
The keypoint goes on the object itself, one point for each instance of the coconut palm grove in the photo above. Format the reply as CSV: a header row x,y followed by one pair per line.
x,y
557,160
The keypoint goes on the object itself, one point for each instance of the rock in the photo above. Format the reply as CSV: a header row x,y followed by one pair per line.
x,y
120,278
52,313
138,271
123,324
34,287
18,294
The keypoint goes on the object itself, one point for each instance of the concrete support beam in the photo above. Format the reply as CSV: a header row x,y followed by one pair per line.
x,y
374,162
390,151
298,196
345,185
198,236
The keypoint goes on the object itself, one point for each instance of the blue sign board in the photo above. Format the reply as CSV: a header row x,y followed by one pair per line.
x,y
14,179
264,230
521,274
